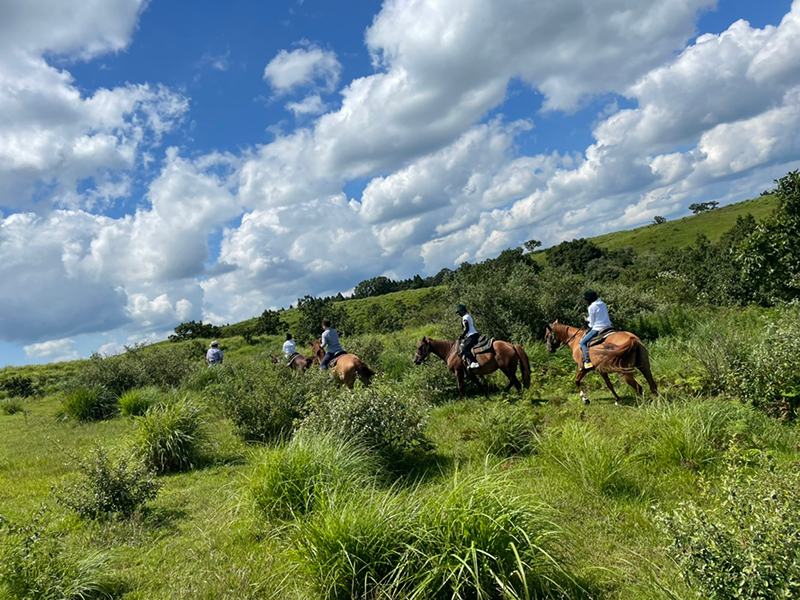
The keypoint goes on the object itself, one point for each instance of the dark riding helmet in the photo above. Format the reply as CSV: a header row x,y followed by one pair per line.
x,y
288,336
460,307
590,295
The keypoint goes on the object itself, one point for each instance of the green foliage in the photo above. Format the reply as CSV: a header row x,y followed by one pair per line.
x,y
742,539
90,404
292,480
471,539
314,310
508,430
171,437
135,402
264,401
659,220
379,417
192,330
10,406
573,256
34,565
699,207
106,487
18,386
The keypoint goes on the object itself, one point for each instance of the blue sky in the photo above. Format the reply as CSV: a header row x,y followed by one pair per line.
x,y
167,161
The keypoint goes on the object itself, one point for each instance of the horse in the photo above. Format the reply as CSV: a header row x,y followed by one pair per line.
x,y
347,368
621,352
503,356
296,362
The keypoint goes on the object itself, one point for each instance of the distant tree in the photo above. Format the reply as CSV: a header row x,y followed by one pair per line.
x,y
532,245
377,286
314,310
659,220
573,256
699,207
270,323
194,329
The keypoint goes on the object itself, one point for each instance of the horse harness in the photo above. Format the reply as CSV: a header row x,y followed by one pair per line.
x,y
332,362
601,337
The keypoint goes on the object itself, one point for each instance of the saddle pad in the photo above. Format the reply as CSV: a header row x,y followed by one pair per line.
x,y
601,337
336,358
484,345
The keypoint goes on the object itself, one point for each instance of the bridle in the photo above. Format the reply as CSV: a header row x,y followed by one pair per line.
x,y
423,351
553,342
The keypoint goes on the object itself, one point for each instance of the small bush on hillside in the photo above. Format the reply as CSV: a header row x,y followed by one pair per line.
x,y
369,348
18,386
380,417
90,404
34,565
106,487
430,382
171,437
10,406
742,540
508,430
135,402
262,401
294,479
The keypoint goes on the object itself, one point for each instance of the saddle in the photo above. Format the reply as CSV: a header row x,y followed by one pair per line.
x,y
485,344
291,358
336,358
601,337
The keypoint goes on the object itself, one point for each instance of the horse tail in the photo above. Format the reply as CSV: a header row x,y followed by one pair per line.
x,y
364,372
524,365
619,359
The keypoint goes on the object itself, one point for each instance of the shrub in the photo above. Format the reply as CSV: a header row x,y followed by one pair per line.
x,y
430,382
90,404
135,402
263,403
105,487
380,417
35,566
293,479
743,539
18,386
171,437
10,406
506,430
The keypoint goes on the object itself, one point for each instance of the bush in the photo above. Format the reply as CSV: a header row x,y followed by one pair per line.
x,y
264,403
508,430
90,404
106,487
380,417
10,406
743,539
171,437
18,386
135,402
35,566
294,479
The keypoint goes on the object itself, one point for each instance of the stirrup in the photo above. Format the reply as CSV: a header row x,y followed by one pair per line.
x,y
475,365
587,365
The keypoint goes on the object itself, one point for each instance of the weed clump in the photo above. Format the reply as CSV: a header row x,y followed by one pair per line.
x,y
10,406
137,401
90,403
171,437
35,565
294,479
106,487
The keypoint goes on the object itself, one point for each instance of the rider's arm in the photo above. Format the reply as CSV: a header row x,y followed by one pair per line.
x,y
592,315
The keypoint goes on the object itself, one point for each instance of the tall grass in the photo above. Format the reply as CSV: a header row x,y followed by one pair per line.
x,y
292,480
135,402
172,437
90,403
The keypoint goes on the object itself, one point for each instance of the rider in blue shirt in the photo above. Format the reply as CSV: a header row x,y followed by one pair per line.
x,y
330,341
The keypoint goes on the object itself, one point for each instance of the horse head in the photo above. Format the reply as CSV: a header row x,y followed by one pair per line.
x,y
551,338
423,350
316,348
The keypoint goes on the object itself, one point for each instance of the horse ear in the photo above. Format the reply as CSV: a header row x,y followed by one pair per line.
x,y
555,322
425,339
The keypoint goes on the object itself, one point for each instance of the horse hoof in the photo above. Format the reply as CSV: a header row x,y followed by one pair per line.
x,y
586,401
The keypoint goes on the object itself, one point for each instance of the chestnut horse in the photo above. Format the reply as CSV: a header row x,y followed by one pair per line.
x,y
296,362
621,352
503,356
348,367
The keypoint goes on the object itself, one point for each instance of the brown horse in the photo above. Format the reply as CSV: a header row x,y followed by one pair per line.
x,y
503,356
298,362
347,368
621,352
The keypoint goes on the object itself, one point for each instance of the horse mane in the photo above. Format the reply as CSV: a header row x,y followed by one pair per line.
x,y
562,330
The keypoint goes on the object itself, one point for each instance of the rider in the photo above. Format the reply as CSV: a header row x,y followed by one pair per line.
x,y
214,355
289,346
598,320
469,335
330,341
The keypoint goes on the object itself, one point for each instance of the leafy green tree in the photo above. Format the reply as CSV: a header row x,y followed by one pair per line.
x,y
699,207
573,256
377,286
270,323
532,245
194,329
659,220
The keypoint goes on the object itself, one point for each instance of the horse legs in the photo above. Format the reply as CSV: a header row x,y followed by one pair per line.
x,y
460,381
581,374
484,389
512,379
632,382
610,387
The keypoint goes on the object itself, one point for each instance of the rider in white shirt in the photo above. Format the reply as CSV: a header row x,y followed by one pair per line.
x,y
470,336
289,346
598,320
